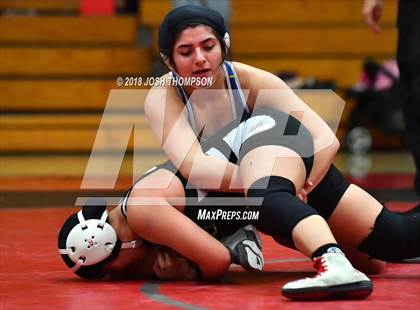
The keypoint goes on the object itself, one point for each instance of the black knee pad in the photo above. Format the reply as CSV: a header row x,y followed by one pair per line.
x,y
395,236
325,196
280,210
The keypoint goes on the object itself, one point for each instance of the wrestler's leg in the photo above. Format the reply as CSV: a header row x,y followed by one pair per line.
x,y
362,225
283,214
325,198
266,161
375,230
352,221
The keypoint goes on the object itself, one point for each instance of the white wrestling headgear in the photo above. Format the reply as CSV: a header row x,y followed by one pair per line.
x,y
85,244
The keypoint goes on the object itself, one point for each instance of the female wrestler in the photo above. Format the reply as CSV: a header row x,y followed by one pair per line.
x,y
270,165
98,244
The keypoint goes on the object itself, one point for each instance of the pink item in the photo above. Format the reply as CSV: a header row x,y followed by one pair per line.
x,y
381,81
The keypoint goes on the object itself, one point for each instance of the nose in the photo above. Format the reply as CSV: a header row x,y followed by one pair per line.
x,y
199,57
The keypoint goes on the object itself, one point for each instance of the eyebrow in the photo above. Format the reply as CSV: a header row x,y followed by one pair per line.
x,y
202,42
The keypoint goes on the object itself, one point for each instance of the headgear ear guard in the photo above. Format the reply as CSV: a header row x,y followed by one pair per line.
x,y
87,241
226,38
180,17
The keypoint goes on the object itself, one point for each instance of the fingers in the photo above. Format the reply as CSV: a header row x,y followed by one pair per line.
x,y
162,263
370,21
305,197
156,268
372,11
377,14
168,259
302,195
161,260
164,260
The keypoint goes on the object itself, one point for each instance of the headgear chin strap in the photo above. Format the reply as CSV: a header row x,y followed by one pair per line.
x,y
90,242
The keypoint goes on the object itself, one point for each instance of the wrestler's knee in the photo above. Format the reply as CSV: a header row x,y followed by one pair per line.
x,y
394,236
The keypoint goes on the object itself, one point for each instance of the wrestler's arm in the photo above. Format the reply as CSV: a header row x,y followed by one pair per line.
x,y
326,144
166,115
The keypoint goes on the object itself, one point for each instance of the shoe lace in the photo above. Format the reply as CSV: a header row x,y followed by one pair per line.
x,y
320,266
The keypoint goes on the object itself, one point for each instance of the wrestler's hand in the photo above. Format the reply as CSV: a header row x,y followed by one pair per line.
x,y
305,190
372,10
171,266
302,195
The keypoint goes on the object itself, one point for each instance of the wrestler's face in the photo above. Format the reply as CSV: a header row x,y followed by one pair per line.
x,y
197,53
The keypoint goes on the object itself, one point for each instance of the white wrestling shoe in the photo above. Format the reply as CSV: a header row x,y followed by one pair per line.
x,y
336,278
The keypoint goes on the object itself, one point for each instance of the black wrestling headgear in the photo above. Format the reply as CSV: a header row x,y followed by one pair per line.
x,y
177,19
